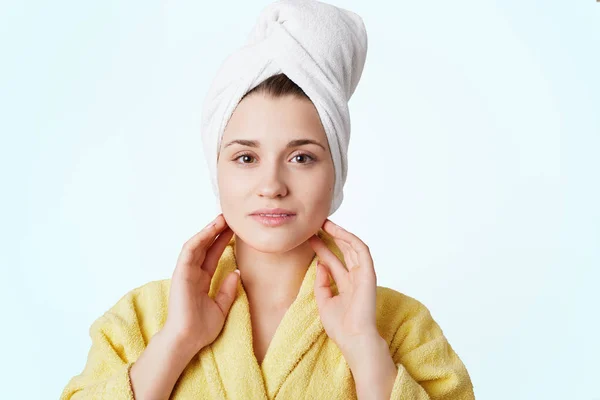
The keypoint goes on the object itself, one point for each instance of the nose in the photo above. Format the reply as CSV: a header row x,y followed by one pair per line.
x,y
272,183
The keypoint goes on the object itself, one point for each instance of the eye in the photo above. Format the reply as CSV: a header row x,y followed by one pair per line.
x,y
301,158
304,155
246,156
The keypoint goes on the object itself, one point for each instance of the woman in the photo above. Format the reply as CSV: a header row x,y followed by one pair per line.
x,y
272,299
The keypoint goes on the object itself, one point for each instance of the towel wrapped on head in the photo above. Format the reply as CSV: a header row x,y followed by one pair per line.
x,y
320,47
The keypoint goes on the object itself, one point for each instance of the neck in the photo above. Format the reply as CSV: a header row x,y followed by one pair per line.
x,y
272,280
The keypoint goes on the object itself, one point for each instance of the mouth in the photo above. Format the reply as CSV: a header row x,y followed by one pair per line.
x,y
272,219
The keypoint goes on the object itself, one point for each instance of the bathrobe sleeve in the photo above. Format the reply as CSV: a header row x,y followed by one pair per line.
x,y
116,343
428,367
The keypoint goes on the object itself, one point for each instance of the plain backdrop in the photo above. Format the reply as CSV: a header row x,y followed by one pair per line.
x,y
473,173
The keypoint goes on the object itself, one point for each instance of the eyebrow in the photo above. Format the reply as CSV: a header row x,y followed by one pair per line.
x,y
293,143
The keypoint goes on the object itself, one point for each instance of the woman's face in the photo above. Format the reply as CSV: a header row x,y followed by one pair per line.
x,y
268,170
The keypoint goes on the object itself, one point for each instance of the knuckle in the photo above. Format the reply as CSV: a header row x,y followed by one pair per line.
x,y
187,246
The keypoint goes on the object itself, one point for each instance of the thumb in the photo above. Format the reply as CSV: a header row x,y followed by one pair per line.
x,y
227,292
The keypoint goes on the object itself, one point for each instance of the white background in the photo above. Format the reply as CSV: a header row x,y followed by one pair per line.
x,y
473,175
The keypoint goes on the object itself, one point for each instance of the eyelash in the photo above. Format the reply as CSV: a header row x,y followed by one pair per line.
x,y
312,159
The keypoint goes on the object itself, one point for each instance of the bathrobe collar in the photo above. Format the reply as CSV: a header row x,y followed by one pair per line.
x,y
232,352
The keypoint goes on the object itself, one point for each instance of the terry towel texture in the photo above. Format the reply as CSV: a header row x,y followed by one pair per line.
x,y
301,361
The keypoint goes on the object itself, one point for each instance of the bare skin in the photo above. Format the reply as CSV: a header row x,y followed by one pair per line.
x,y
264,171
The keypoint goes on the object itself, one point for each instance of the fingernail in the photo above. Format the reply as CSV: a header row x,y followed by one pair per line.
x,y
336,225
210,224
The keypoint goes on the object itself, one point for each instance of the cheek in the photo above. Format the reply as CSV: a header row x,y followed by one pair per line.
x,y
318,189
234,186
226,185
228,197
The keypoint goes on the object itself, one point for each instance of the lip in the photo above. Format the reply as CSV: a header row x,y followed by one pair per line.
x,y
273,221
273,211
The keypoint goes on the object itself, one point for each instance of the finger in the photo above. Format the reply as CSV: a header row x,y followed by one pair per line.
x,y
194,250
335,266
215,251
362,250
227,292
207,234
350,256
322,288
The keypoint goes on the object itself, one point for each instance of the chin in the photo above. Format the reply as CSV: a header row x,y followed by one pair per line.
x,y
272,240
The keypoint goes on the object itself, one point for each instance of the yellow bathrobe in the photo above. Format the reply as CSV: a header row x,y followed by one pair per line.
x,y
301,361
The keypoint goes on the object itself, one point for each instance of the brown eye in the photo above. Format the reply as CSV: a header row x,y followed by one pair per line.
x,y
303,156
244,157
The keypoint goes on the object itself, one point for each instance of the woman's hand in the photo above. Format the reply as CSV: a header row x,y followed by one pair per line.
x,y
349,318
193,317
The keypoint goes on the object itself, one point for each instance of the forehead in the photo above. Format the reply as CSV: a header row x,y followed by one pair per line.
x,y
274,120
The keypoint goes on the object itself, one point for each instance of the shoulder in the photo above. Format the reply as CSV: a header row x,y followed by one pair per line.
x,y
391,302
143,307
150,295
400,314
420,349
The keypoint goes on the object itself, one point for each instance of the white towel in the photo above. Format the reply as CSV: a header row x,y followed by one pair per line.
x,y
322,48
